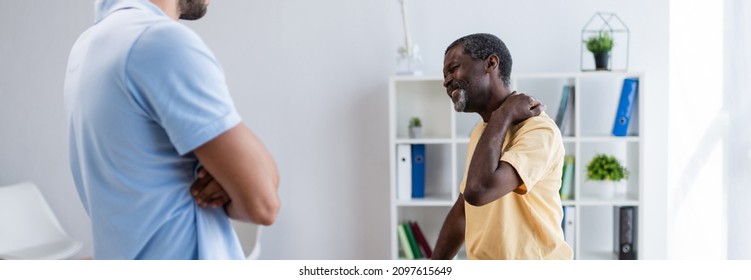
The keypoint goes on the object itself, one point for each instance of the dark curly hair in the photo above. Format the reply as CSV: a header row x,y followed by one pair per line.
x,y
481,46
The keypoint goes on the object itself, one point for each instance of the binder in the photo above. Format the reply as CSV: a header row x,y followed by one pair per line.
x,y
569,225
564,112
403,172
624,219
427,252
625,106
404,241
412,241
567,180
418,170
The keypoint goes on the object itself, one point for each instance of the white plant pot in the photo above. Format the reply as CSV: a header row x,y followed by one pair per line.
x,y
415,132
611,189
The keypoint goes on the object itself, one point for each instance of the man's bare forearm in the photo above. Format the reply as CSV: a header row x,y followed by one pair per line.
x,y
451,236
246,171
482,181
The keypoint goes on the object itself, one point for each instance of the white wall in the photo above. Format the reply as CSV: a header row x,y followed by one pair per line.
x,y
310,78
35,38
709,84
698,124
738,101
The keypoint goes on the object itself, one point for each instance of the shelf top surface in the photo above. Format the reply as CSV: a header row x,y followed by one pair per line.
x,y
424,141
430,78
600,202
442,200
608,138
462,140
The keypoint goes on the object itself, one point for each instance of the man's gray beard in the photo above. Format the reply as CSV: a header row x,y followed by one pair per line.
x,y
461,104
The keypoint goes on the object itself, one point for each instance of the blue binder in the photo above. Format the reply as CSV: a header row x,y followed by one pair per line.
x,y
560,120
418,170
625,106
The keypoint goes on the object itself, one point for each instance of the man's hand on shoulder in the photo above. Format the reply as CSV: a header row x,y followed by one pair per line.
x,y
208,192
518,107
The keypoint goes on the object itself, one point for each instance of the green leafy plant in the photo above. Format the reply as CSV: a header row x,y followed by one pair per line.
x,y
415,122
600,43
604,167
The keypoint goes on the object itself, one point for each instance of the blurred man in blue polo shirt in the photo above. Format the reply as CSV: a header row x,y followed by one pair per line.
x,y
147,101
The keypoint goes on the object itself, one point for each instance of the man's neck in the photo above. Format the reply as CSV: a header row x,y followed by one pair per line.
x,y
497,97
169,7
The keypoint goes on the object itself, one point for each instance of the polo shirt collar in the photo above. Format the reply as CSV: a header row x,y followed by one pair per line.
x,y
105,7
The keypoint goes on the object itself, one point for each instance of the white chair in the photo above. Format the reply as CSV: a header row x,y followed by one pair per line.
x,y
29,229
250,239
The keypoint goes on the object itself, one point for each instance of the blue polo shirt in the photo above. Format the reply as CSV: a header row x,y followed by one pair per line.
x,y
142,91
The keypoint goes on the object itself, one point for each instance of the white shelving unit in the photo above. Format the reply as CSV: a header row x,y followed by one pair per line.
x,y
446,136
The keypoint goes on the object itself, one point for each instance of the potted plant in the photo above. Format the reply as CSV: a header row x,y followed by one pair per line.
x,y
415,127
600,46
609,171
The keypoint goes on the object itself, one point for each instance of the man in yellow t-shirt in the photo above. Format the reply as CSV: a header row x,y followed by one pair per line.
x,y
509,207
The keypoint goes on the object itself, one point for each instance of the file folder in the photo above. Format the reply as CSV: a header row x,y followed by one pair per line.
x,y
418,170
403,172
625,106
625,232
567,180
569,225
565,108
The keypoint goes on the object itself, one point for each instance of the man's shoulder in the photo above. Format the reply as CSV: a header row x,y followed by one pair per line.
x,y
538,127
540,121
166,43
166,33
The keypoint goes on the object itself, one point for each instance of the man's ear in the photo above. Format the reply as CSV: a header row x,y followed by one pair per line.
x,y
491,63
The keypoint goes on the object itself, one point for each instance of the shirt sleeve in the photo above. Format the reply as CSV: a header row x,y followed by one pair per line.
x,y
177,81
532,152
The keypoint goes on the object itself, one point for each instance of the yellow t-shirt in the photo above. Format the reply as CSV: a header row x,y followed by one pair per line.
x,y
525,223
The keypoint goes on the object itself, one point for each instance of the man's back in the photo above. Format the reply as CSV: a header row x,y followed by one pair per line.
x,y
141,93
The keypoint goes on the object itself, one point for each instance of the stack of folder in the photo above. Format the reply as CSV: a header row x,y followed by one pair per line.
x,y
410,171
413,242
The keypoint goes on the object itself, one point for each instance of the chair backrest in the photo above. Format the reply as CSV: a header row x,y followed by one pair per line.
x,y
29,228
250,238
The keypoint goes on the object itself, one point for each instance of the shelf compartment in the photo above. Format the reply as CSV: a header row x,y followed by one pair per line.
x,y
461,164
465,123
426,100
627,154
429,219
599,100
596,228
548,89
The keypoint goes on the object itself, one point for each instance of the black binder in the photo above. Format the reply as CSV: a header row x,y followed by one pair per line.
x,y
625,230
